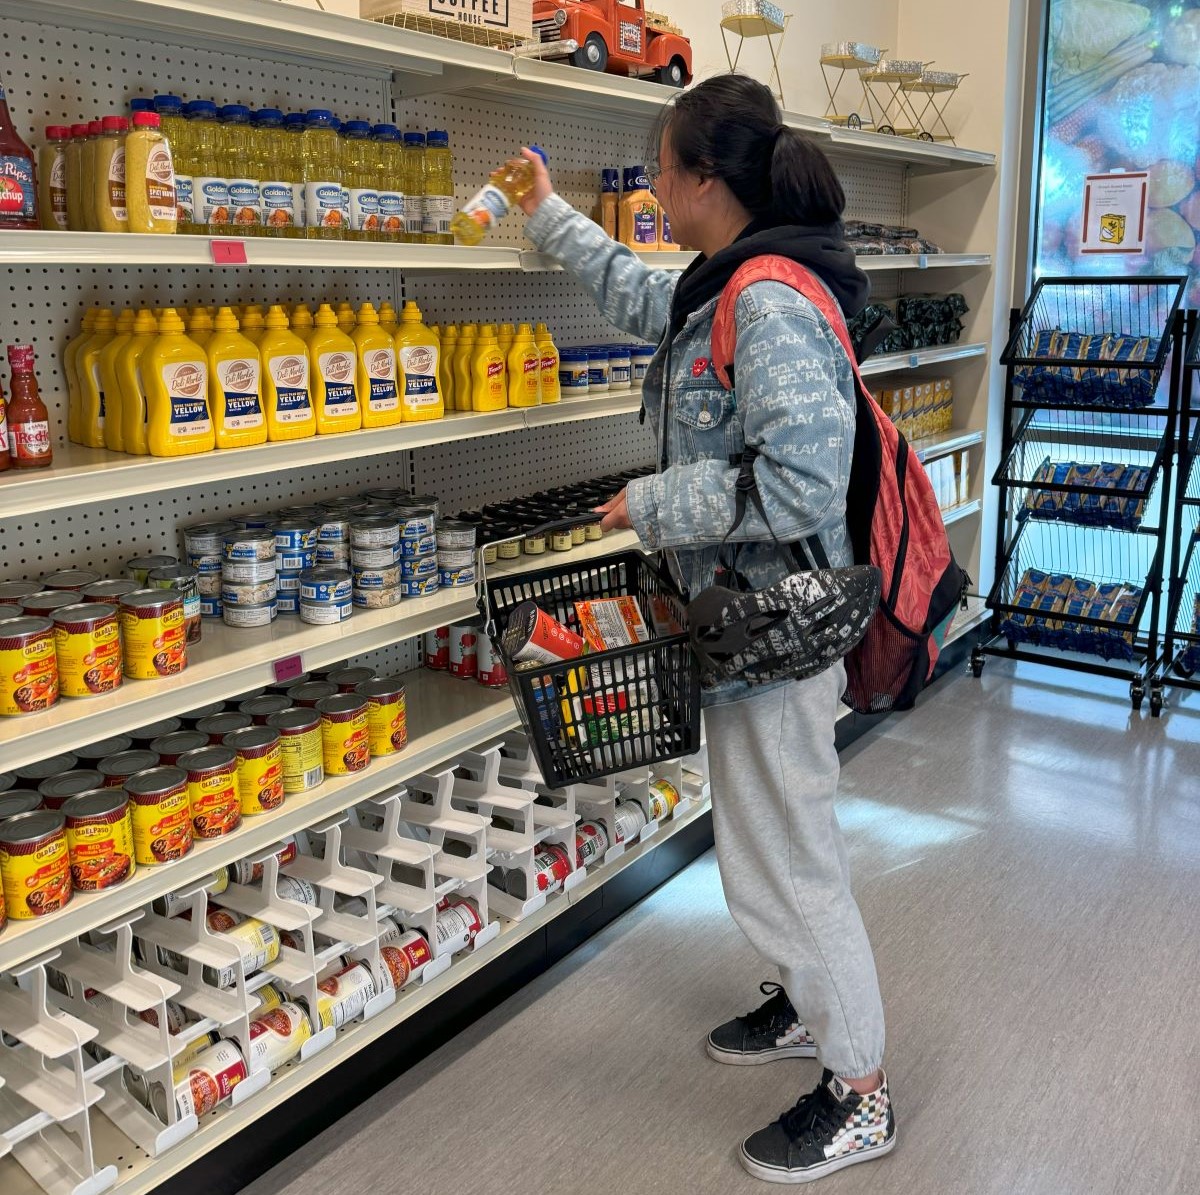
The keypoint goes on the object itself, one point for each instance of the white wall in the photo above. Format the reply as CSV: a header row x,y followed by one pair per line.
x,y
870,21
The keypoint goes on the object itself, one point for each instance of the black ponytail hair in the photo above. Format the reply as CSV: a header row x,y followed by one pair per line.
x,y
730,127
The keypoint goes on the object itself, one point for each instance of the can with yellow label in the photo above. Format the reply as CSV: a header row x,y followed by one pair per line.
x,y
87,640
259,768
35,869
300,744
99,839
344,734
212,790
153,633
28,666
161,814
387,722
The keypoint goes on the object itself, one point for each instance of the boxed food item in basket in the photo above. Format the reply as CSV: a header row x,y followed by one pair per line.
x,y
607,623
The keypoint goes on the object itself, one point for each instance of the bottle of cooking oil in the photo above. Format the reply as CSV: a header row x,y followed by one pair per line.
x,y
241,168
91,387
413,162
174,372
378,384
361,180
302,322
551,391
70,353
294,124
488,389
464,356
129,378
234,385
446,365
389,181
210,184
418,354
438,206
325,214
88,161
524,366
509,183
286,395
333,367
110,385
175,128
277,200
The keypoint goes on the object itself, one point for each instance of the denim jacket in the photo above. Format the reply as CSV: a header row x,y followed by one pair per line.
x,y
794,402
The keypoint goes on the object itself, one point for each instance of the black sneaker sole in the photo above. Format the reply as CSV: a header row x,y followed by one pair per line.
x,y
740,1058
776,1174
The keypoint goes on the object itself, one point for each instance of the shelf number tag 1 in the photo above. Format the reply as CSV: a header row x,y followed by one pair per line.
x,y
288,669
228,253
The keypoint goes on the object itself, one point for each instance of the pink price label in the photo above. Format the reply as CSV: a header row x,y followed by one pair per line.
x,y
228,253
288,669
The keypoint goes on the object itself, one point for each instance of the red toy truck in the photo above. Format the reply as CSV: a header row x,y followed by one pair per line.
x,y
618,36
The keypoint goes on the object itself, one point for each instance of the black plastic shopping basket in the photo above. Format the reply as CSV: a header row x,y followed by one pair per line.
x,y
607,711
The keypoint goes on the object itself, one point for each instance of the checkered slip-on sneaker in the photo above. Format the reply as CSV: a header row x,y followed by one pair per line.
x,y
769,1032
829,1129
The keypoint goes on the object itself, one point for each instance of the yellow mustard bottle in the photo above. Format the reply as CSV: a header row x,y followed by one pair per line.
x,y
91,388
200,326
505,337
346,318
175,374
524,370
488,390
286,396
446,365
378,383
133,389
114,400
333,367
234,385
109,199
418,355
464,357
387,317
70,353
550,362
253,326
302,321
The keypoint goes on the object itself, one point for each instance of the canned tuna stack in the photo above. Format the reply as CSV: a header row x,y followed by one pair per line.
x,y
417,551
374,560
204,550
295,554
248,578
456,554
333,531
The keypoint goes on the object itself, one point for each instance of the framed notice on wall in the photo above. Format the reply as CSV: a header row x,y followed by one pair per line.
x,y
1114,213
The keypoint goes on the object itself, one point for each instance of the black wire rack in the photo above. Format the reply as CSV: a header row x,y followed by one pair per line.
x,y
1093,389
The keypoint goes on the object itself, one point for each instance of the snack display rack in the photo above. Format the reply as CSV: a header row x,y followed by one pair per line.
x,y
1087,460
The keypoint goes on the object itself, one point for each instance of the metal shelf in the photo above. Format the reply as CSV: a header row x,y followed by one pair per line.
x,y
914,359
537,263
944,444
230,660
79,473
922,261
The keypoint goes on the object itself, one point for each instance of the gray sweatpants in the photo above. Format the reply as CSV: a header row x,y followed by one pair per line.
x,y
774,771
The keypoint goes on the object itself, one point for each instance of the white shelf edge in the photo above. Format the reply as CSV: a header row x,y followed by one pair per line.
x,y
533,262
914,359
81,471
927,155
930,448
235,661
975,615
872,262
964,510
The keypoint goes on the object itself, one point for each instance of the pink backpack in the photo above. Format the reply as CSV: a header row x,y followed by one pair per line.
x,y
892,516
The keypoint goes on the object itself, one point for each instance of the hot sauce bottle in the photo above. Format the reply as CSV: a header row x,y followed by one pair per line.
x,y
28,420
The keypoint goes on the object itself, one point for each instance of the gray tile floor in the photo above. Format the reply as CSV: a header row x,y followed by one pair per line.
x,y
1027,857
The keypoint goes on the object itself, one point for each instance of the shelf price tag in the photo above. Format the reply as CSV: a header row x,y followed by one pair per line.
x,y
228,253
288,669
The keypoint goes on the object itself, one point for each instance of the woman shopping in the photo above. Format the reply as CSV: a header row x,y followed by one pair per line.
x,y
736,185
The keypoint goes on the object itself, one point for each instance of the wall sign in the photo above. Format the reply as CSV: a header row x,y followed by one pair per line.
x,y
1114,213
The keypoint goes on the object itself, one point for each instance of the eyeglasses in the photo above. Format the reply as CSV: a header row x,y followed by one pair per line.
x,y
654,173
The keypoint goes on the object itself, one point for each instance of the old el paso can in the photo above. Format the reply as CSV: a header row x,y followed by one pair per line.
x,y
387,723
35,867
345,736
99,839
212,790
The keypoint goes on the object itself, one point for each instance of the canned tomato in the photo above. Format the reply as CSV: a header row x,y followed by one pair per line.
x,y
463,661
630,821
310,692
534,636
295,535
212,791
207,537
347,680
111,591
161,813
99,839
217,726
35,869
591,843
16,593
375,531
43,604
250,545
19,800
457,924
91,755
187,585
437,649
259,768
203,1083
116,769
170,747
551,866
344,995
387,721
421,545
256,941
32,774
664,796
248,572
301,744
425,587
154,639
417,522
70,578
141,567
57,790
29,679
413,949
245,872
325,585
373,557
345,737
248,593
261,708
377,599
249,616
457,578
277,1036
87,639
489,665
417,567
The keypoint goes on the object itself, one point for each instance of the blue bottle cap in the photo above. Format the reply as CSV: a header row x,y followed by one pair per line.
x,y
268,116
295,120
610,180
438,139
320,117
168,103
414,138
141,104
541,153
205,109
386,132
357,128
636,179
235,112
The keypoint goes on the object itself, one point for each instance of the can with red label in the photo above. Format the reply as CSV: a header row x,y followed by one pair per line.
x,y
458,922
245,872
591,842
490,669
463,661
277,1036
344,995
630,821
437,649
404,958
551,866
203,1083
213,790
533,636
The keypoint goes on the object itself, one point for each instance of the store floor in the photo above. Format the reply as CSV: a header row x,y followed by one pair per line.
x,y
1027,859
